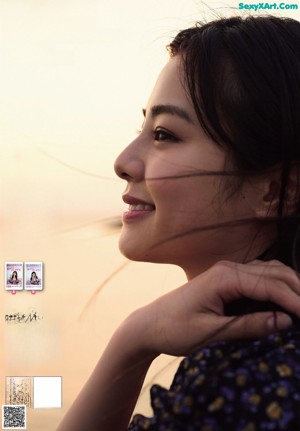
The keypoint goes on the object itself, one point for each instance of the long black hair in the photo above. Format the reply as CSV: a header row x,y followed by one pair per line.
x,y
243,79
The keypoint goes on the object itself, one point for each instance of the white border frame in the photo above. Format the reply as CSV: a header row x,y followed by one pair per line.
x,y
13,287
34,287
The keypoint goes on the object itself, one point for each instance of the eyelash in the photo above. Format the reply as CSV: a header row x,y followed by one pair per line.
x,y
162,135
168,137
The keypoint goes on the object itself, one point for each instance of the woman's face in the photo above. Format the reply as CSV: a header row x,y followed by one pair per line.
x,y
167,201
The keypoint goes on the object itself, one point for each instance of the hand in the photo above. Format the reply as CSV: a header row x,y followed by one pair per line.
x,y
193,314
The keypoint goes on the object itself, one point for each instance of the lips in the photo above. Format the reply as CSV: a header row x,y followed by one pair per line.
x,y
138,208
137,203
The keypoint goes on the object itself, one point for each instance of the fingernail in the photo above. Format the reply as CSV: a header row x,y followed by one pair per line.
x,y
279,321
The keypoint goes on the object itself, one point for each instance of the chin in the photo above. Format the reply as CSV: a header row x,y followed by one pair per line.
x,y
136,254
141,253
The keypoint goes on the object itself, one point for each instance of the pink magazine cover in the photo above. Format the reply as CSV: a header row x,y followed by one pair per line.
x,y
33,276
14,276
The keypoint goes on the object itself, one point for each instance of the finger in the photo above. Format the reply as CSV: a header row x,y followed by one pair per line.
x,y
264,289
275,268
273,262
270,289
247,278
271,267
254,325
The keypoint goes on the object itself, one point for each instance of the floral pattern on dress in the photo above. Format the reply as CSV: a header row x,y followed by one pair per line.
x,y
240,385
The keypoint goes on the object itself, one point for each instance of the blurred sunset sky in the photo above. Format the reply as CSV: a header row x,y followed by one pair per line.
x,y
74,77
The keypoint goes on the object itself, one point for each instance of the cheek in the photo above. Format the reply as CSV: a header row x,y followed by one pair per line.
x,y
186,202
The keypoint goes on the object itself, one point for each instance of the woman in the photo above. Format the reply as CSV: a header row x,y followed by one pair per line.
x,y
34,278
14,278
212,186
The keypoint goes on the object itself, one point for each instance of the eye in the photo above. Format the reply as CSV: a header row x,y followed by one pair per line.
x,y
163,135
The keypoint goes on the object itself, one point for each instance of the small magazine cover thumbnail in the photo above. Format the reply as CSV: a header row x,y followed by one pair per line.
x,y
13,276
33,276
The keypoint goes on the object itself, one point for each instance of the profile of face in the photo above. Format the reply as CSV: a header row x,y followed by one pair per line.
x,y
177,191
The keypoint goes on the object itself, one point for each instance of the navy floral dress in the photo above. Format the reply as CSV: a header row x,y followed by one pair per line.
x,y
240,385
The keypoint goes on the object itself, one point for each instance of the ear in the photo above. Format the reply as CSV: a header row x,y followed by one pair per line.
x,y
271,193
270,198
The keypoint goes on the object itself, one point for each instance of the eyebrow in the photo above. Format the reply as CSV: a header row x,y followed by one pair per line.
x,y
169,109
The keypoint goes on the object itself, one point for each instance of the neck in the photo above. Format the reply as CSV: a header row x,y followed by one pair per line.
x,y
266,251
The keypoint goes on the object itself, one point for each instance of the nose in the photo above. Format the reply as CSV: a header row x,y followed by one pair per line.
x,y
129,165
